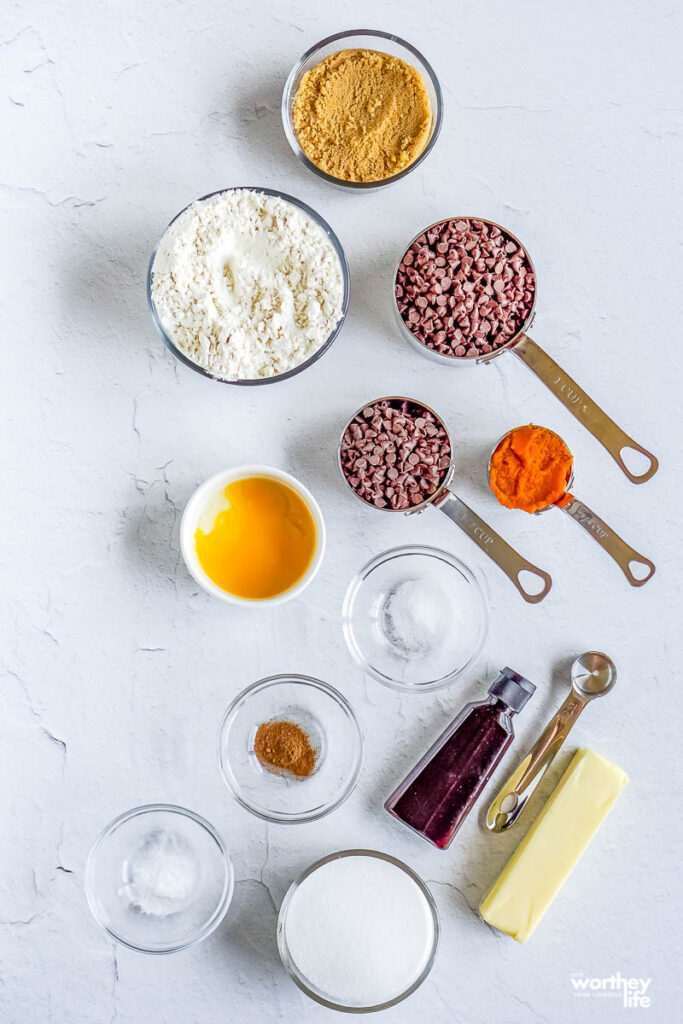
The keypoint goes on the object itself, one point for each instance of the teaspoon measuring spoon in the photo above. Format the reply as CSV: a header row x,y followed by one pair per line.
x,y
593,675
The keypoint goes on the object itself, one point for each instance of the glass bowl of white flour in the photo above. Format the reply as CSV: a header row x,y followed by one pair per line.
x,y
248,286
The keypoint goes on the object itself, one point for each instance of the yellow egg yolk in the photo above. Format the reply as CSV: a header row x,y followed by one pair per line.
x,y
261,543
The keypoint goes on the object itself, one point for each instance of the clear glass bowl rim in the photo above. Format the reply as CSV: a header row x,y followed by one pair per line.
x,y
346,277
289,964
472,577
289,127
340,699
228,886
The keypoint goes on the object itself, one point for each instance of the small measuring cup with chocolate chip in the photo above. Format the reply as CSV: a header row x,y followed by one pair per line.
x,y
465,291
395,454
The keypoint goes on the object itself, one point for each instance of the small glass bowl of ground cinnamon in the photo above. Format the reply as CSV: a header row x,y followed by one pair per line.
x,y
361,109
290,748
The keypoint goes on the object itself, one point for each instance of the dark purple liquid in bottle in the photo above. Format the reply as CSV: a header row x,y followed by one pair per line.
x,y
439,793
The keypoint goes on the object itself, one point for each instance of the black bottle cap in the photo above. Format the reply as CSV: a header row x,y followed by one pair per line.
x,y
512,689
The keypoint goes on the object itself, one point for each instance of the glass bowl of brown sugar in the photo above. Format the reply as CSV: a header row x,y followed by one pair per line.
x,y
290,748
397,71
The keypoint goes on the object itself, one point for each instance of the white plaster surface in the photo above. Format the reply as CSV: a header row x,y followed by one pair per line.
x,y
563,122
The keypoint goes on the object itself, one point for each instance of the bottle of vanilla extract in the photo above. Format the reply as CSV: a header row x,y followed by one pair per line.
x,y
438,794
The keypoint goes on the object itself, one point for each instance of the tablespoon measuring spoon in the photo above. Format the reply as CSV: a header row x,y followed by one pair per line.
x,y
623,554
506,558
593,675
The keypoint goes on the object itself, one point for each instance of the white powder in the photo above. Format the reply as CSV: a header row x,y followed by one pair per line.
x,y
359,930
162,877
416,614
246,285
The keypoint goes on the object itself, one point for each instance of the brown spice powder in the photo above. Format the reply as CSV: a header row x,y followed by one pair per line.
x,y
362,115
283,746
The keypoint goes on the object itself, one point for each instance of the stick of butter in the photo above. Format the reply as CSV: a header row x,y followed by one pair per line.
x,y
545,858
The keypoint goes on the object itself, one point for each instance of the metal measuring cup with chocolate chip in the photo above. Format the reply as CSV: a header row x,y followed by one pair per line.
x,y
396,455
465,291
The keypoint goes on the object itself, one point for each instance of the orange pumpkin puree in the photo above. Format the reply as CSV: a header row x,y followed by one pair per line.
x,y
530,469
261,543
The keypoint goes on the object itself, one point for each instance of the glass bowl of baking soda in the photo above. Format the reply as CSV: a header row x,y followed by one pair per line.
x,y
159,878
415,618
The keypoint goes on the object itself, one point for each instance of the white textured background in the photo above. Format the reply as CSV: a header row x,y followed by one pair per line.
x,y
563,122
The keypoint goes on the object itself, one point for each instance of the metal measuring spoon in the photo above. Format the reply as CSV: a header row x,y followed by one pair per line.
x,y
622,553
593,675
505,556
574,398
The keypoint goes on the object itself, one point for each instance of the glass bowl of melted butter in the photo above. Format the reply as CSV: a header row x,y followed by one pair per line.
x,y
252,535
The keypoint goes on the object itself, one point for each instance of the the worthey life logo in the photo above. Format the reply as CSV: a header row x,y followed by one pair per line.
x,y
633,992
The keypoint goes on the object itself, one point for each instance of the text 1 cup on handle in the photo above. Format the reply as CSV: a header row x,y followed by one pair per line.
x,y
516,568
580,405
623,554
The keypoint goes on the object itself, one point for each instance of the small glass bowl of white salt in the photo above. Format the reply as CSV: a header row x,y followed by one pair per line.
x,y
159,878
415,618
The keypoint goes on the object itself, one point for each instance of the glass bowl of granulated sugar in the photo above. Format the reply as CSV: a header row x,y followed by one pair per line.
x,y
358,931
248,286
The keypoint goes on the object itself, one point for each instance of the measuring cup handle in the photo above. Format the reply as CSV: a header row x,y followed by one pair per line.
x,y
512,798
610,436
622,553
505,557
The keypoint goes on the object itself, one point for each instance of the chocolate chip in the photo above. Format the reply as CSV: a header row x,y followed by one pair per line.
x,y
409,463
